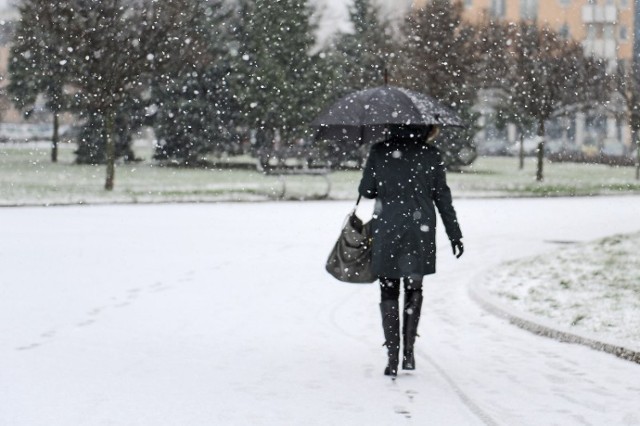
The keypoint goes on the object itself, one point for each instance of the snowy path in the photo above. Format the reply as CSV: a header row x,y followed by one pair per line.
x,y
223,315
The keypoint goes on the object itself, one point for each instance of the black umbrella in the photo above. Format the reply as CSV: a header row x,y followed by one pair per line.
x,y
368,115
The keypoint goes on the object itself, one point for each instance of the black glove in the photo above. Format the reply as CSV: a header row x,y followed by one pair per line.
x,y
457,245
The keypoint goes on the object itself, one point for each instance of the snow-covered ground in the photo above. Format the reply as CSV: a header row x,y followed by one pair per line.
x,y
590,287
222,314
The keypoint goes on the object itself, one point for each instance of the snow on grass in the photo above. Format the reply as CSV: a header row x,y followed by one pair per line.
x,y
500,176
27,177
592,287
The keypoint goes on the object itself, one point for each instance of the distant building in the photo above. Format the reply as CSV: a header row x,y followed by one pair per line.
x,y
395,9
636,33
606,29
8,17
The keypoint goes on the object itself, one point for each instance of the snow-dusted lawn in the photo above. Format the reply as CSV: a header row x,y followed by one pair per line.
x,y
500,176
222,314
592,287
27,177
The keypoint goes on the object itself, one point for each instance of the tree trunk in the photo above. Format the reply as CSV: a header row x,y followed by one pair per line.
x,y
635,134
521,150
55,138
110,151
539,172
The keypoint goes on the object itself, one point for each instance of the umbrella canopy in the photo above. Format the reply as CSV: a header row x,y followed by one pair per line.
x,y
367,115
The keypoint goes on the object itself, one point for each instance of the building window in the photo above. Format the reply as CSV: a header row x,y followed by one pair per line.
x,y
498,8
529,9
624,63
607,32
468,3
565,3
624,33
591,32
564,31
624,3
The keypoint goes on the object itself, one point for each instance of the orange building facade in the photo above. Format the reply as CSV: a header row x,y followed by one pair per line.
x,y
604,27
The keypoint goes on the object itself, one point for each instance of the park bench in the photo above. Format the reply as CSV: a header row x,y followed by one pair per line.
x,y
283,171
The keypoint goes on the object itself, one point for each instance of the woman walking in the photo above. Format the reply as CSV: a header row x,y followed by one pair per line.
x,y
406,176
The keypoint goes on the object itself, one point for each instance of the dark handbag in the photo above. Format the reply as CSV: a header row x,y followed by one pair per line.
x,y
350,259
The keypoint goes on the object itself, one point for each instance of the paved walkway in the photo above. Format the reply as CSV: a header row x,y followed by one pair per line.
x,y
222,314
516,377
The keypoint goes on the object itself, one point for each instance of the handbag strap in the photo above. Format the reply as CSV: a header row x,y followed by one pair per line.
x,y
356,206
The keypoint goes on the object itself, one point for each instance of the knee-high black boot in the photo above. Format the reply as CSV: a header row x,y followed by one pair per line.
x,y
411,317
391,327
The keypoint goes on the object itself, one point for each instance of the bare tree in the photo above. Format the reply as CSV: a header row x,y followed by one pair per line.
x,y
439,46
549,73
628,85
112,48
490,56
492,64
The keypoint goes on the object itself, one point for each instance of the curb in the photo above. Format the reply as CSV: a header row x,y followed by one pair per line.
x,y
545,328
267,198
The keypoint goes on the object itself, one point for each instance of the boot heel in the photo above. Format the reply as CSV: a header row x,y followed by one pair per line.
x,y
411,318
408,362
391,327
389,372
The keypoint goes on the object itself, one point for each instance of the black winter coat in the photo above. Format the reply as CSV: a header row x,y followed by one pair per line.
x,y
407,179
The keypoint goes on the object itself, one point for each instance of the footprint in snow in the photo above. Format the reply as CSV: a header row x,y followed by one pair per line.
x,y
28,347
158,287
48,334
404,412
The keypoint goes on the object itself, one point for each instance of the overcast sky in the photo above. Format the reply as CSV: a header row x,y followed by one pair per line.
x,y
335,13
334,16
7,10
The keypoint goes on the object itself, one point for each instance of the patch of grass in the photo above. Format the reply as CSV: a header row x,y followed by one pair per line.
x,y
577,319
509,296
565,284
593,286
501,174
27,176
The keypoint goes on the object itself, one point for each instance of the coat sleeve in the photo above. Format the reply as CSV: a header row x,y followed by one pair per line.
x,y
442,198
368,184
